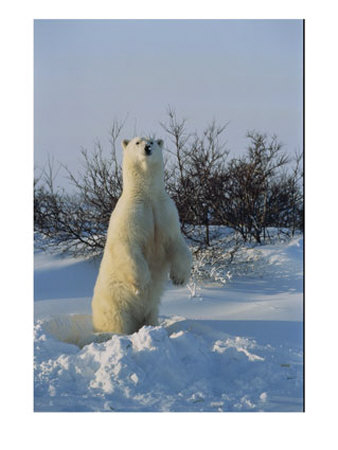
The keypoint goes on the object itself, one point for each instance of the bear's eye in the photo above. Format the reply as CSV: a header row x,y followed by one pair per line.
x,y
138,142
151,142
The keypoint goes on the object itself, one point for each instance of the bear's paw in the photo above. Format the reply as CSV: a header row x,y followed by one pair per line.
x,y
178,279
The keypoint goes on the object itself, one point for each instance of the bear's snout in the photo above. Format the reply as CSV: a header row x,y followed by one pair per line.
x,y
147,149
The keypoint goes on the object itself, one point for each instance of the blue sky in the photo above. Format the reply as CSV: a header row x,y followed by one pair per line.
x,y
89,72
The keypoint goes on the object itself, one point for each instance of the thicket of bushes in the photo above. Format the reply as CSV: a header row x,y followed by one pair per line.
x,y
261,189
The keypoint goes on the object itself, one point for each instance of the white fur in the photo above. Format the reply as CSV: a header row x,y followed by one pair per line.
x,y
144,244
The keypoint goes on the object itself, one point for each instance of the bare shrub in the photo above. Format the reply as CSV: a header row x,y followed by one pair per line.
x,y
249,194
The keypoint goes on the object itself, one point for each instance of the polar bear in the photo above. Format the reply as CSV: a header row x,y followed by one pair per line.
x,y
144,244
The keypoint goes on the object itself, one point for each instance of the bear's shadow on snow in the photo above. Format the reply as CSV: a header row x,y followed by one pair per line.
x,y
277,284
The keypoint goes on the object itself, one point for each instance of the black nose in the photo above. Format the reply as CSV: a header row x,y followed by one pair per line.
x,y
147,149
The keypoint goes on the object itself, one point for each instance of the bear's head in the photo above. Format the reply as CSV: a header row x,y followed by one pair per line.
x,y
143,159
143,151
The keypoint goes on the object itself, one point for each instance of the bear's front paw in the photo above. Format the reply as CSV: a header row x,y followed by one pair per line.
x,y
178,279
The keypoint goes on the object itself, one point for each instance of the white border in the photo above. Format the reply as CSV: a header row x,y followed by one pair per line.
x,y
21,427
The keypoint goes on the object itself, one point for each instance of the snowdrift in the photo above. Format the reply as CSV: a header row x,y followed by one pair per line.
x,y
182,365
237,347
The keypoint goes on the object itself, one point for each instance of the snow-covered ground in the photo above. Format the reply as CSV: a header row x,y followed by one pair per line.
x,y
237,347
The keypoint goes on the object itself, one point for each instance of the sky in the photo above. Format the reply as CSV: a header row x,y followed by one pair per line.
x,y
88,73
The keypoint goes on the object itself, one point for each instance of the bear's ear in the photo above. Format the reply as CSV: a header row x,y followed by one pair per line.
x,y
125,142
160,143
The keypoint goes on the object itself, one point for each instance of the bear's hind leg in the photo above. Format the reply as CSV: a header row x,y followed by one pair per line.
x,y
112,320
152,317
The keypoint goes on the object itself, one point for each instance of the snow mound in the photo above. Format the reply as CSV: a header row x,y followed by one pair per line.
x,y
235,347
182,365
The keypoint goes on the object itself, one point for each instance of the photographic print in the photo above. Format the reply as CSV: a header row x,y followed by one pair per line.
x,y
168,215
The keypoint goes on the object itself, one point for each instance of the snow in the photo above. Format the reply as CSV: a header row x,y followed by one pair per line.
x,y
236,347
